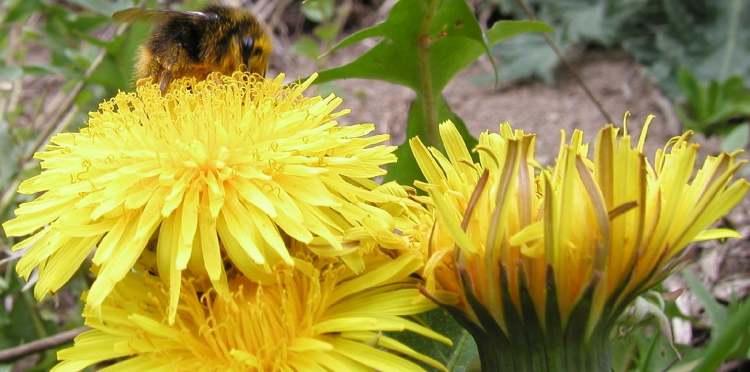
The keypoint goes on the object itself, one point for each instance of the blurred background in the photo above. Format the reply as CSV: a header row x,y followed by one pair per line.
x,y
685,61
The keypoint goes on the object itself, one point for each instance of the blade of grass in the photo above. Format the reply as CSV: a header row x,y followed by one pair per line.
x,y
723,344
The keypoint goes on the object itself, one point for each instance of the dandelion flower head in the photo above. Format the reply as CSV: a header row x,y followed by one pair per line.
x,y
228,169
573,243
309,319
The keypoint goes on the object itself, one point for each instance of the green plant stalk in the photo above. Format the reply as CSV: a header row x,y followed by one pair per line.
x,y
425,76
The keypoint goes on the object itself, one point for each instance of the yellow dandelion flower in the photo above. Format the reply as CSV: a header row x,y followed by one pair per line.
x,y
222,169
398,232
309,320
522,254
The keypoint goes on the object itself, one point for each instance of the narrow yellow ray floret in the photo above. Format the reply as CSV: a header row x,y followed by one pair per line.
x,y
604,228
309,320
226,169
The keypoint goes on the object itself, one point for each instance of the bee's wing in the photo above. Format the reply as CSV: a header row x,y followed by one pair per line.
x,y
155,15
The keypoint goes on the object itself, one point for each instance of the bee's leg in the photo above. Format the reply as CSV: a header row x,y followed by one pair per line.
x,y
169,69
164,80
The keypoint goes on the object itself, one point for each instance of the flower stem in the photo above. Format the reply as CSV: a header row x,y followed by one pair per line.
x,y
429,108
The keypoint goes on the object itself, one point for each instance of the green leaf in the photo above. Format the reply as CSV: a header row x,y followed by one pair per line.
x,y
654,351
124,56
104,7
691,89
737,138
318,10
733,32
406,170
327,32
9,151
394,58
20,328
503,30
424,45
78,24
20,9
306,46
10,72
367,33
116,70
588,21
527,56
713,107
109,74
724,343
707,37
454,41
715,311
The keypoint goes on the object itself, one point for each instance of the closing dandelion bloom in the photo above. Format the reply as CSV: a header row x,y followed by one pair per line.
x,y
544,261
309,320
407,217
222,169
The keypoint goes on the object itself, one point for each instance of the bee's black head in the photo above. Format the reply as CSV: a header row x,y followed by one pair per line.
x,y
241,33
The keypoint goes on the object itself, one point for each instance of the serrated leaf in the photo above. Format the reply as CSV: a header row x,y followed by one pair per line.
x,y
394,58
454,40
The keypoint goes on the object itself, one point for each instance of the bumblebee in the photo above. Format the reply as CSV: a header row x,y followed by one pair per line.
x,y
196,43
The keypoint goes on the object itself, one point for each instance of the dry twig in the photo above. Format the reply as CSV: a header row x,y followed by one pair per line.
x,y
39,345
529,13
